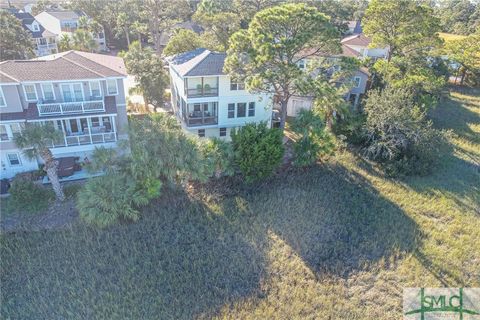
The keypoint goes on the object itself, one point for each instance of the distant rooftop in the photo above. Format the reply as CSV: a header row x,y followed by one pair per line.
x,y
357,40
65,14
199,62
27,19
69,65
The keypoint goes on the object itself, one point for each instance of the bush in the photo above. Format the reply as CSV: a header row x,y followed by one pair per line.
x,y
106,199
313,141
398,135
258,150
27,196
218,157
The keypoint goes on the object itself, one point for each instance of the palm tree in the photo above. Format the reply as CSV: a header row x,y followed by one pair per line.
x,y
65,43
95,27
139,28
123,24
35,140
83,22
83,41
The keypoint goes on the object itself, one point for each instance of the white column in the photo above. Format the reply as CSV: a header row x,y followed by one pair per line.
x,y
114,126
89,123
64,133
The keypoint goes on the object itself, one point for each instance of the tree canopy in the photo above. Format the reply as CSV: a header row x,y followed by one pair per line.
x,y
15,41
265,55
183,40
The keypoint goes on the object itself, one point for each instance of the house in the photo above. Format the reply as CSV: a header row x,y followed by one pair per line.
x,y
45,41
188,25
360,43
81,94
354,27
66,22
359,79
208,102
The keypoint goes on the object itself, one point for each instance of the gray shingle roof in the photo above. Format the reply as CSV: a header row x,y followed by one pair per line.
x,y
66,15
199,62
68,65
27,19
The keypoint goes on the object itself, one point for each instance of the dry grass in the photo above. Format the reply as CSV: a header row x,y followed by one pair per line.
x,y
338,241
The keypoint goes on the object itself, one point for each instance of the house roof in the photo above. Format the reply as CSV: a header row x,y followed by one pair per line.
x,y
189,25
355,25
346,52
199,62
65,14
357,40
27,19
68,65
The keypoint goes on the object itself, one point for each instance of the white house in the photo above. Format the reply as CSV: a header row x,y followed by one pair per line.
x,y
66,22
44,40
206,101
81,94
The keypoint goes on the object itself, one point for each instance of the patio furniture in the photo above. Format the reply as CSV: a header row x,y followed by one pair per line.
x,y
66,166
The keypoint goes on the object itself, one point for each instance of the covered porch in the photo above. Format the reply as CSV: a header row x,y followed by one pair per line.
x,y
197,114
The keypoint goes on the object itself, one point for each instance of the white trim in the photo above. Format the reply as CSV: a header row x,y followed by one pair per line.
x,y
84,115
18,158
61,81
25,92
3,97
43,92
99,87
116,87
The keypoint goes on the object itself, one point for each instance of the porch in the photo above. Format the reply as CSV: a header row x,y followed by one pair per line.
x,y
62,108
197,114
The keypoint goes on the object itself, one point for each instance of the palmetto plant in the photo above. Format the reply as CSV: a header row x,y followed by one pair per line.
x,y
35,141
82,40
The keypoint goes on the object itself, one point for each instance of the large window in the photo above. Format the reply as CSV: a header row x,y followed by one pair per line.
x,y
72,92
13,159
241,109
30,92
48,94
251,109
95,91
2,98
112,87
236,85
231,110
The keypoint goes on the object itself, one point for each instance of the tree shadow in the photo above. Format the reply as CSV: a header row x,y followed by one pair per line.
x,y
181,260
333,218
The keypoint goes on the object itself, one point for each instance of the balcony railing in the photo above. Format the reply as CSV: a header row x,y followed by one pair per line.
x,y
60,108
211,92
84,139
199,118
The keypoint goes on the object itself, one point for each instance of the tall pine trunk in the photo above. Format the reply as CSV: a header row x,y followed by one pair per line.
x,y
127,36
51,166
283,114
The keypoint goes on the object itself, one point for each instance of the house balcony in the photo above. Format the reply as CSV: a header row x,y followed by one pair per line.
x,y
202,92
200,114
201,87
65,108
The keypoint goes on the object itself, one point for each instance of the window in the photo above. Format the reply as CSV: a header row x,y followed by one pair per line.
x,y
13,159
95,90
251,109
223,132
112,87
72,92
16,129
241,109
35,27
2,99
231,110
3,133
201,133
95,122
196,107
356,81
30,92
51,40
236,85
48,94
301,64
42,41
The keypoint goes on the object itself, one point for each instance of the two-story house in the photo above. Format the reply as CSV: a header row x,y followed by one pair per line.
x,y
66,22
81,94
207,101
356,91
45,41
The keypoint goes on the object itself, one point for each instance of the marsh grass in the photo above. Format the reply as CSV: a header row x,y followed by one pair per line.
x,y
335,241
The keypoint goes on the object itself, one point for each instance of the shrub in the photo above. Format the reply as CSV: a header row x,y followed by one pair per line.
x,y
218,157
27,196
398,135
313,141
258,150
106,199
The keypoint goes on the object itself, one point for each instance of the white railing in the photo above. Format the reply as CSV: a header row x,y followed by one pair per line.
x,y
46,109
80,140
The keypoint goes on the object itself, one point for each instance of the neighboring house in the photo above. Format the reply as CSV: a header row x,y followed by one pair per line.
x,y
354,95
354,27
360,43
45,41
188,25
66,22
206,101
81,94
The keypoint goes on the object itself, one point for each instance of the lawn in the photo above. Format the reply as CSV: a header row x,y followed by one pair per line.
x,y
337,241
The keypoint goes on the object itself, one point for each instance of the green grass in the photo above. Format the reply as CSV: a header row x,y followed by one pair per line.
x,y
338,241
450,36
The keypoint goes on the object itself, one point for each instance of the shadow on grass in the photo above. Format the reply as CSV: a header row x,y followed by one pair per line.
x,y
333,218
179,261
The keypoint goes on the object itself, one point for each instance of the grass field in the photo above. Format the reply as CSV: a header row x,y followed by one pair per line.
x,y
338,241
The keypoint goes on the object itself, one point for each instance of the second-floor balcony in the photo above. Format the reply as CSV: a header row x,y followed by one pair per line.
x,y
200,114
62,108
